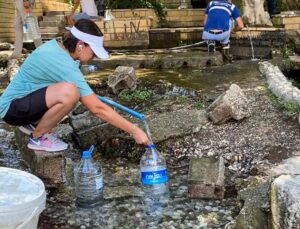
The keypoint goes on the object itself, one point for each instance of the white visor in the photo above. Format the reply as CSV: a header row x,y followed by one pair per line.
x,y
95,42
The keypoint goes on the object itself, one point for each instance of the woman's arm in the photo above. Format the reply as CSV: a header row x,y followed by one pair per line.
x,y
106,113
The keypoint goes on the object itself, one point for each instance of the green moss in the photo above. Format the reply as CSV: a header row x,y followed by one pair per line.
x,y
290,108
136,96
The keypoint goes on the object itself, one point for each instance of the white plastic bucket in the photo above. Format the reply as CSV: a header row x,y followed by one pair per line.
x,y
22,199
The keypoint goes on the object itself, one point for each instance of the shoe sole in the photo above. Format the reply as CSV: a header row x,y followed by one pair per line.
x,y
24,130
45,149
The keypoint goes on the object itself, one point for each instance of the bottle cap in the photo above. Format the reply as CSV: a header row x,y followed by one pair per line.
x,y
86,154
152,146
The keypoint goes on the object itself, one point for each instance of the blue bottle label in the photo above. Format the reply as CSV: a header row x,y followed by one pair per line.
x,y
155,177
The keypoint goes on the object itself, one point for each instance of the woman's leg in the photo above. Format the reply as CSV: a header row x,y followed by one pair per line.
x,y
60,99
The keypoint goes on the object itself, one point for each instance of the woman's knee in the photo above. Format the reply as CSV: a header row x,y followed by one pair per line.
x,y
65,93
70,92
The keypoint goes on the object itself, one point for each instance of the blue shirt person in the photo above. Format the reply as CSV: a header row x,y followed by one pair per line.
x,y
217,21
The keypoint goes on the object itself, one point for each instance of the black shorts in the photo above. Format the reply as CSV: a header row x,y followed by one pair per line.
x,y
28,109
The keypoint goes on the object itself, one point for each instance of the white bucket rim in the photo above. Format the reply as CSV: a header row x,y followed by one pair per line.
x,y
41,197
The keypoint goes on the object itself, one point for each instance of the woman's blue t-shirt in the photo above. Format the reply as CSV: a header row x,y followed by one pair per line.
x,y
47,65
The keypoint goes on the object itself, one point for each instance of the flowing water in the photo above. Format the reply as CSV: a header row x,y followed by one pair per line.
x,y
251,43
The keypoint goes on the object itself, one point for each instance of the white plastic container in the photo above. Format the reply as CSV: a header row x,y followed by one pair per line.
x,y
22,199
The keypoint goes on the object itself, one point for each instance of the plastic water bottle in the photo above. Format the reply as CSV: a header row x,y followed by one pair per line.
x,y
154,178
31,29
88,181
87,69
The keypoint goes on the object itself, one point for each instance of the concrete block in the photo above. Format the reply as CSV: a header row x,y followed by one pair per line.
x,y
206,178
50,167
285,205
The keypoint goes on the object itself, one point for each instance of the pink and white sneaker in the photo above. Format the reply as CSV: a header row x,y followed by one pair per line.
x,y
47,142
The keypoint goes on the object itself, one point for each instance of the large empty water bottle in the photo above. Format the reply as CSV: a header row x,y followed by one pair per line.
x,y
31,29
88,181
154,178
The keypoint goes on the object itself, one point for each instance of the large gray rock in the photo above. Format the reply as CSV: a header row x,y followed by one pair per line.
x,y
162,126
84,121
176,123
123,78
232,104
254,213
52,167
285,205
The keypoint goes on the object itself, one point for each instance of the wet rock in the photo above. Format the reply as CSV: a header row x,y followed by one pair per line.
x,y
120,192
6,46
99,135
3,73
206,178
13,67
49,166
285,193
123,78
84,121
233,104
254,213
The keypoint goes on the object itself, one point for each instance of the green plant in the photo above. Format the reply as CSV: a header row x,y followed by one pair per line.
x,y
199,105
182,99
156,5
290,108
136,96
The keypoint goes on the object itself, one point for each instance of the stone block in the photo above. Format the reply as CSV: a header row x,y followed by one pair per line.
x,y
50,167
292,26
285,206
206,178
232,104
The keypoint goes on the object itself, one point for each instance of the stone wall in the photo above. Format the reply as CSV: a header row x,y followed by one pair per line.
x,y
132,28
7,19
287,20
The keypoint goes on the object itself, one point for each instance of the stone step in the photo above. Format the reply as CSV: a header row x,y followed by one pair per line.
x,y
54,18
51,24
55,13
48,36
49,30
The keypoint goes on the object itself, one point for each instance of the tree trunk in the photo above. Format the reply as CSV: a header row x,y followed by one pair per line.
x,y
254,13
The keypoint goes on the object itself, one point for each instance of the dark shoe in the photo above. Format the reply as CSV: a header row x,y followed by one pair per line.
x,y
211,46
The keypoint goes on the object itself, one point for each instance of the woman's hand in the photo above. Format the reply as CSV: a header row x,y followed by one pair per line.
x,y
140,136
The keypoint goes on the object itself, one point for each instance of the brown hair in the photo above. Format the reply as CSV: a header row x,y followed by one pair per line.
x,y
84,25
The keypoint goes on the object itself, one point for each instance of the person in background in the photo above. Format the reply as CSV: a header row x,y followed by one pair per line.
x,y
88,8
49,84
23,7
100,7
217,22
